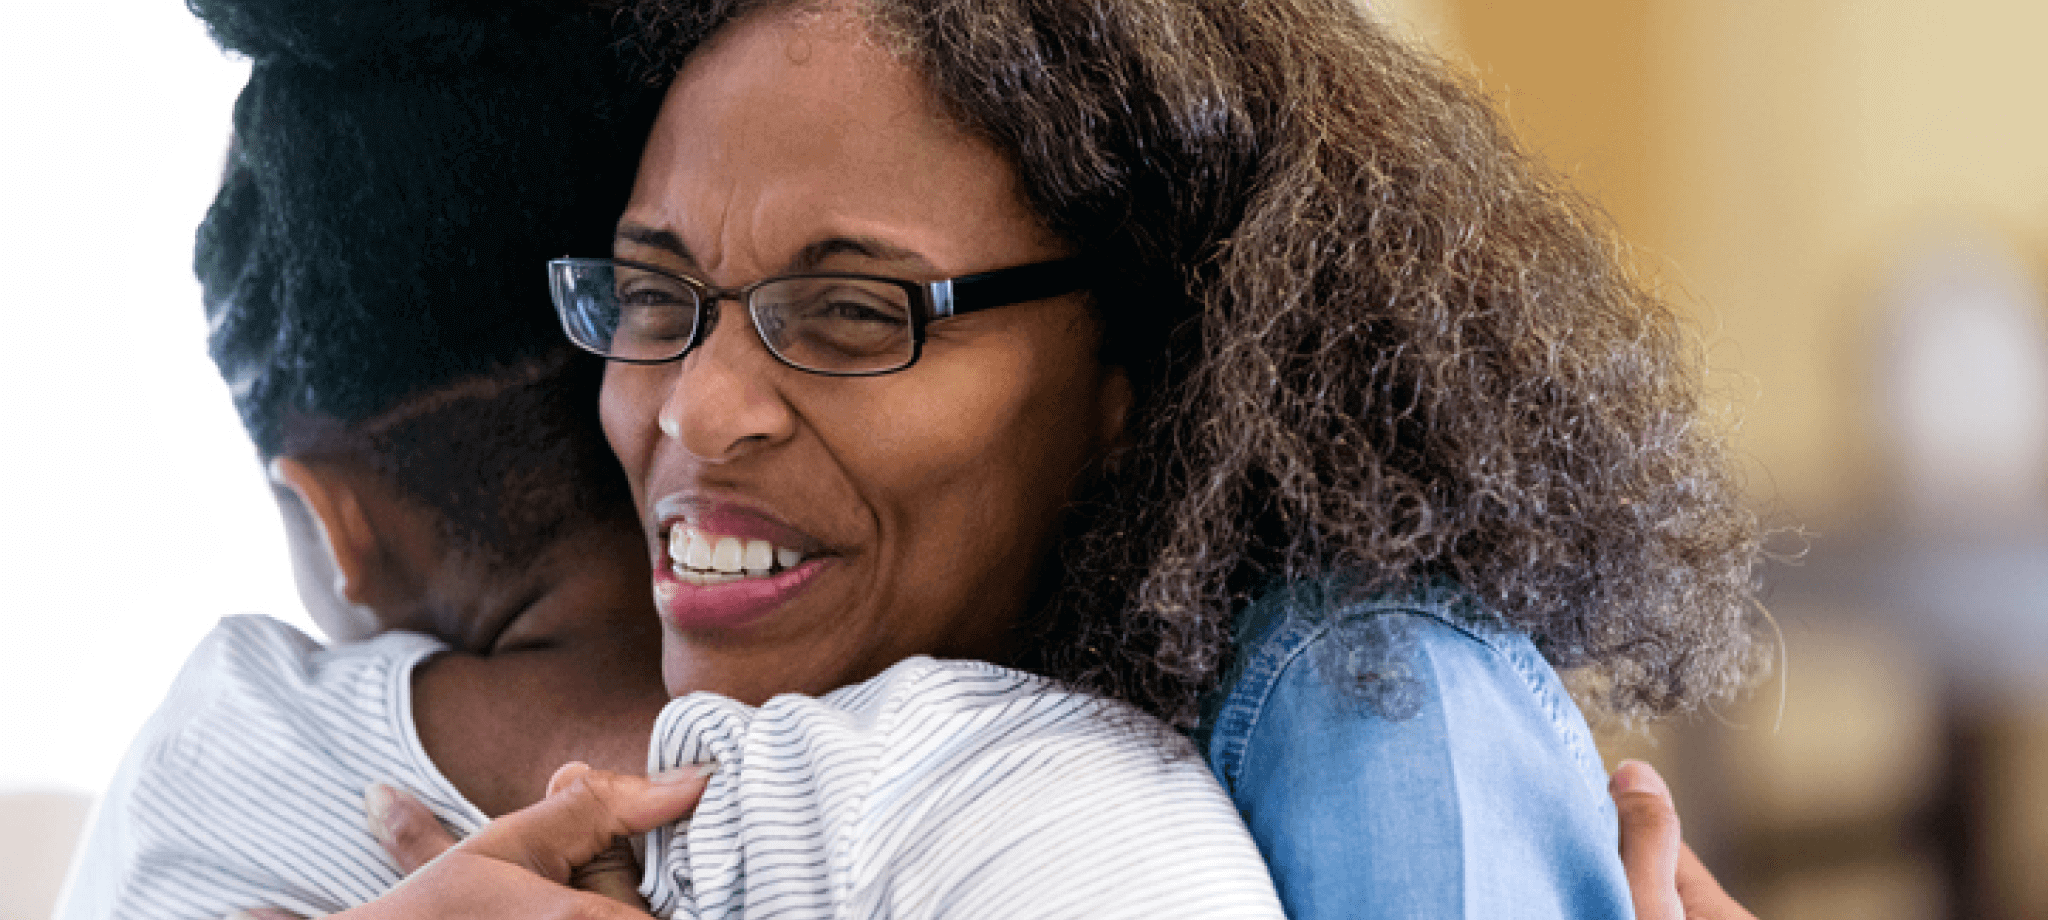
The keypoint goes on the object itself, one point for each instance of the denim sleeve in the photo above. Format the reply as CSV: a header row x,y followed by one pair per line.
x,y
1455,779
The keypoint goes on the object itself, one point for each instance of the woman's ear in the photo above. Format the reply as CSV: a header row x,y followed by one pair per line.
x,y
333,540
1115,402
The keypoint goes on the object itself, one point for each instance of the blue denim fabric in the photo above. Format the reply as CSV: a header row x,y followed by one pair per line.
x,y
1456,779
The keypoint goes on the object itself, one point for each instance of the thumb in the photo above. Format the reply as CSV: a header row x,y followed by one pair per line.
x,y
614,873
585,809
1702,894
1649,840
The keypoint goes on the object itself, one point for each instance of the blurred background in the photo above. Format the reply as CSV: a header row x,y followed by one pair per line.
x,y
1848,199
135,512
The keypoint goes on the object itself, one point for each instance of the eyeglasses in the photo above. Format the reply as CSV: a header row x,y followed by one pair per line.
x,y
834,323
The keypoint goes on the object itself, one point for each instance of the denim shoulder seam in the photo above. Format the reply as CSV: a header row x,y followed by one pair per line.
x,y
1557,705
1254,687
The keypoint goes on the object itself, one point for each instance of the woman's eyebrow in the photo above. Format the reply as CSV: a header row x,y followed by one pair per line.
x,y
807,258
650,236
815,254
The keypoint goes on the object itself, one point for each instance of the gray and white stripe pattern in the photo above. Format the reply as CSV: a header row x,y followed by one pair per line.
x,y
946,789
938,789
245,788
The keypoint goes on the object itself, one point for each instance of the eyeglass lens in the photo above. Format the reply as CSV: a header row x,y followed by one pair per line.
x,y
840,325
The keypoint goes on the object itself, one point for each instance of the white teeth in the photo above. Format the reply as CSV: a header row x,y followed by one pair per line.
x,y
725,557
704,559
759,557
690,577
698,554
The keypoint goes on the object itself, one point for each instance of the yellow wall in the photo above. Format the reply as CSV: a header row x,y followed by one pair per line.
x,y
1771,161
1768,159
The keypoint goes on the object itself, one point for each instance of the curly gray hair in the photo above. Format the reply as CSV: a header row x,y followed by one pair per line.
x,y
1374,343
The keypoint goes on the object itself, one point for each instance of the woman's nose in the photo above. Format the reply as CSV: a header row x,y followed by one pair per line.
x,y
723,402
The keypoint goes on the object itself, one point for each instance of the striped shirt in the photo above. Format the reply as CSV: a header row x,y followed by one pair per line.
x,y
245,788
936,789
947,789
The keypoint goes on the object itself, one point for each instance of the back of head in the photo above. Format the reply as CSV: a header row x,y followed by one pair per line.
x,y
401,171
507,463
373,262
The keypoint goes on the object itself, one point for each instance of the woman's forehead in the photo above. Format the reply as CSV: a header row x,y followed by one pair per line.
x,y
796,128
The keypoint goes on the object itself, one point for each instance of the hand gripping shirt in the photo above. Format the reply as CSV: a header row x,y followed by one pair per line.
x,y
937,789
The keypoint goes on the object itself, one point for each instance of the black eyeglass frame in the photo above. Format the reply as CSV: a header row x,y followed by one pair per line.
x,y
930,301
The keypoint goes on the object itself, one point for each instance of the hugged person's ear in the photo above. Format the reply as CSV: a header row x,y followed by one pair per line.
x,y
321,580
347,543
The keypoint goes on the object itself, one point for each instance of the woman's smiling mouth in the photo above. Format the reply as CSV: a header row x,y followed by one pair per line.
x,y
700,558
724,566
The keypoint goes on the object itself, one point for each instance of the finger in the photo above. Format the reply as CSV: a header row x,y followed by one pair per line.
x,y
613,873
588,810
408,831
1649,840
1702,895
466,886
565,775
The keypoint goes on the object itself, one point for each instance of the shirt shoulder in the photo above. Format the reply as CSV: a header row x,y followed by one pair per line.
x,y
1040,801
245,787
963,789
1412,754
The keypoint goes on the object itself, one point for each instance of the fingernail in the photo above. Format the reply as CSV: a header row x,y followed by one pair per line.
x,y
1637,776
377,801
685,773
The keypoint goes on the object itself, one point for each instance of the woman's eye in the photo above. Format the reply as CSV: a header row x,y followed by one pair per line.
x,y
650,312
655,324
854,303
650,295
860,311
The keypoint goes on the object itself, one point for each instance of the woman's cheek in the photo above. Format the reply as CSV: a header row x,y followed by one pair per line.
x,y
629,420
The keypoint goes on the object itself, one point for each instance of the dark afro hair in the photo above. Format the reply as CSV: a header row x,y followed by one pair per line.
x,y
401,170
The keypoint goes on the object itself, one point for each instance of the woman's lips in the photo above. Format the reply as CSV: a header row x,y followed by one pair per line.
x,y
731,604
730,519
724,565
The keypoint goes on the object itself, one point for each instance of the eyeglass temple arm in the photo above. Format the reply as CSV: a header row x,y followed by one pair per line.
x,y
1005,286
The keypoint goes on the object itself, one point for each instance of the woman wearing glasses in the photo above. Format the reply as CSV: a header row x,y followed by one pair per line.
x,y
1224,359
